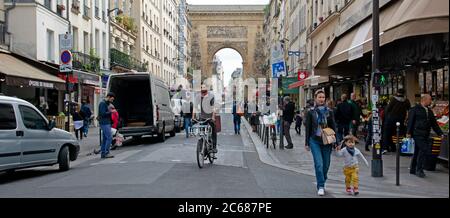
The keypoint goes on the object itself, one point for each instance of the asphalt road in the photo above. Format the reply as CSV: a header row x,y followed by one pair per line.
x,y
146,169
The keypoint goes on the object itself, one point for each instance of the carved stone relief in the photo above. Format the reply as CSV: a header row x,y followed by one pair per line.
x,y
231,32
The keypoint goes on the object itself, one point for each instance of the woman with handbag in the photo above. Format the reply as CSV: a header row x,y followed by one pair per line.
x,y
321,138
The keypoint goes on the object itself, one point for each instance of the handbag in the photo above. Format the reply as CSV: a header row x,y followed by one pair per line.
x,y
328,136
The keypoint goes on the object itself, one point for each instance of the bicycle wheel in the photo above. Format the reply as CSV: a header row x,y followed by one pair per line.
x,y
200,153
211,157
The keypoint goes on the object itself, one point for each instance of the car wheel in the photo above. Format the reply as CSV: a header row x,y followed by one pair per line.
x,y
63,159
162,136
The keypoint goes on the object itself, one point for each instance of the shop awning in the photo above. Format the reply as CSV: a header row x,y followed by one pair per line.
x,y
297,84
401,19
20,73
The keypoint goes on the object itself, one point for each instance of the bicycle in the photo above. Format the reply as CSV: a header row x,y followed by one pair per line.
x,y
204,145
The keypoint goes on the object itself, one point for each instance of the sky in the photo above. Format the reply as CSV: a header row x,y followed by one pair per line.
x,y
228,2
231,60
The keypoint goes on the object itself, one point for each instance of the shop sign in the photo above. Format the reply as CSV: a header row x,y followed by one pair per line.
x,y
90,82
41,84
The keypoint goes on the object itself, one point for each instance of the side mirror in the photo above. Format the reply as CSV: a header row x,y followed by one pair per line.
x,y
51,125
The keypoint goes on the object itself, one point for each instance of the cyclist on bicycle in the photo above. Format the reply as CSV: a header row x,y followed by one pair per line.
x,y
207,111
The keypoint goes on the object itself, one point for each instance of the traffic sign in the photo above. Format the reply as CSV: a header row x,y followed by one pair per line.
x,y
66,62
278,69
65,42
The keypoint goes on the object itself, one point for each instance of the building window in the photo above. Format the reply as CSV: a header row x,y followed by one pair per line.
x,y
50,46
48,4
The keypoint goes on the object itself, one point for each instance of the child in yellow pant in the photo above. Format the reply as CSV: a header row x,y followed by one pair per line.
x,y
351,164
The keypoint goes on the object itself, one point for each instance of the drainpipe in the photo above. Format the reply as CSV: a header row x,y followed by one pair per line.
x,y
68,17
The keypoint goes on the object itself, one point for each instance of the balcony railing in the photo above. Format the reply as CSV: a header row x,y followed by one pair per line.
x,y
85,62
121,59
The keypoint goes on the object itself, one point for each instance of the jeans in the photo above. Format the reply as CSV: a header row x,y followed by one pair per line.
x,y
107,139
342,131
237,124
422,150
322,159
187,125
287,132
86,127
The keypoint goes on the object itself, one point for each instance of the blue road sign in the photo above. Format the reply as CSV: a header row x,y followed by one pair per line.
x,y
278,69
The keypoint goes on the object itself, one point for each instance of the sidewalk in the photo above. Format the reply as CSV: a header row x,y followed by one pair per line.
x,y
436,184
88,144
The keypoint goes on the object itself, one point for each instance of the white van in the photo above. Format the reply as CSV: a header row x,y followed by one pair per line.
x,y
28,139
143,103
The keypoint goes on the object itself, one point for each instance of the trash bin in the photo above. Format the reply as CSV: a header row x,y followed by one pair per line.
x,y
432,159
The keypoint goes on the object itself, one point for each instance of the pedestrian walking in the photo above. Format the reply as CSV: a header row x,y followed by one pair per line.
x,y
351,163
298,123
288,119
237,114
344,117
78,118
421,121
87,116
105,120
356,114
395,112
188,110
320,126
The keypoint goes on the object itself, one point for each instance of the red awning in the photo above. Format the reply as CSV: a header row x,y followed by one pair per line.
x,y
297,84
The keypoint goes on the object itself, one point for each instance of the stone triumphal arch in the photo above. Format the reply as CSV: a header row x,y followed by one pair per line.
x,y
239,27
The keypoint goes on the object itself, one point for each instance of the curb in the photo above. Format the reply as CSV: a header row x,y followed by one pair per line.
x,y
269,159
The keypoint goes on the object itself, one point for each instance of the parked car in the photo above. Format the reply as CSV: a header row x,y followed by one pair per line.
x,y
143,103
28,139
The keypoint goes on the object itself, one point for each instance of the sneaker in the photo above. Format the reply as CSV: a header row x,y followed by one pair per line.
x,y
108,156
349,191
290,147
421,174
214,151
321,192
356,191
385,152
97,151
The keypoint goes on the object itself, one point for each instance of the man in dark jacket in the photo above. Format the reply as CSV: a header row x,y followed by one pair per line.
x,y
104,113
344,117
395,112
288,118
421,120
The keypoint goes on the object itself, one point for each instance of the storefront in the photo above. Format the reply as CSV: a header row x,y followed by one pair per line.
x,y
22,80
414,51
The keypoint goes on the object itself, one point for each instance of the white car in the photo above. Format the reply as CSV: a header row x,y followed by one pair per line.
x,y
28,139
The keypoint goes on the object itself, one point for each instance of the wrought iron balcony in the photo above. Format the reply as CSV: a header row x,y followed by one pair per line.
x,y
121,59
86,62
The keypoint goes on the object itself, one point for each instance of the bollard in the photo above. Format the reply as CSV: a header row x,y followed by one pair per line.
x,y
399,149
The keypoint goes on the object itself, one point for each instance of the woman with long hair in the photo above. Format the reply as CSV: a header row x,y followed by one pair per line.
x,y
318,119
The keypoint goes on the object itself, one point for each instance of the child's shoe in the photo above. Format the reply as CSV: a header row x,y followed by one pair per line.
x,y
356,191
349,191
